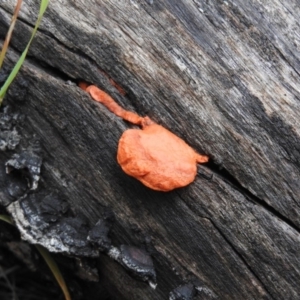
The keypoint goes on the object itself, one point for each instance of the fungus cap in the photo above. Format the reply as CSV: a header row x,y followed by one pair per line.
x,y
158,158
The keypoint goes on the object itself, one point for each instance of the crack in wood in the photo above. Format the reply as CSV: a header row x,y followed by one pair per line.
x,y
234,183
241,258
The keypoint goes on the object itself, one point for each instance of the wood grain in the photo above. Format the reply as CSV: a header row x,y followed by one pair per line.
x,y
222,75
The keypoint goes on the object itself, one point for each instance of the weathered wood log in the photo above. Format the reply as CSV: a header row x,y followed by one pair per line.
x,y
222,75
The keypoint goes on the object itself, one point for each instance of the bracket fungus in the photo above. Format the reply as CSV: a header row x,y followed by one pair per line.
x,y
153,155
183,292
135,260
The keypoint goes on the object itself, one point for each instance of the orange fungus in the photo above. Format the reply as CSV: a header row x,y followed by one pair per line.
x,y
155,156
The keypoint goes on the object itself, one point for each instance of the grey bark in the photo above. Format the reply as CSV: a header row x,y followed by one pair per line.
x,y
222,75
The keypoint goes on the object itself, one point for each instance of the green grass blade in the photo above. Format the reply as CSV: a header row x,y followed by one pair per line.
x,y
15,71
10,30
55,270
6,218
49,261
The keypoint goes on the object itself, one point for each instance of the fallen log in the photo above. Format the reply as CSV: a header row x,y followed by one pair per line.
x,y
223,76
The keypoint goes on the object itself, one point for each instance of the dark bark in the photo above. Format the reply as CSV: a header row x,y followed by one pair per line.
x,y
222,75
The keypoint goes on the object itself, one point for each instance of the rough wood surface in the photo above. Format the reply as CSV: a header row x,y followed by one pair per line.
x,y
224,76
